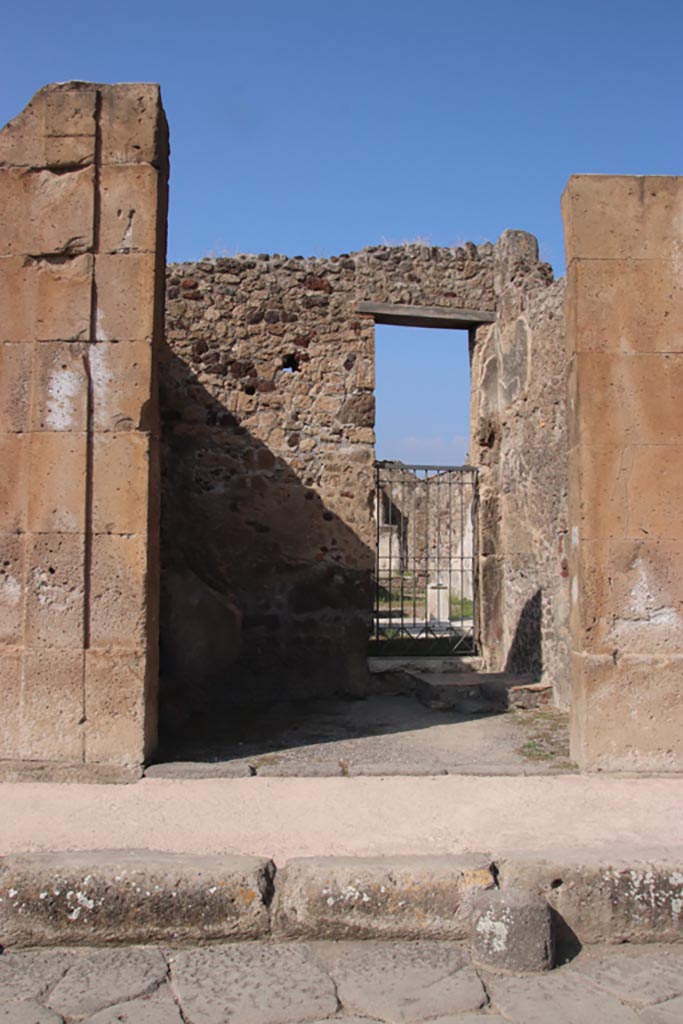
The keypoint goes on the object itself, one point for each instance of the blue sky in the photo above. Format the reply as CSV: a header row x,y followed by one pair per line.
x,y
317,128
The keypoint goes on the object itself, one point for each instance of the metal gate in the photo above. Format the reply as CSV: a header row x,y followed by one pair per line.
x,y
425,576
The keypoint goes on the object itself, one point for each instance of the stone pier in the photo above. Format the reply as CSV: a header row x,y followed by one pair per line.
x,y
83,190
624,240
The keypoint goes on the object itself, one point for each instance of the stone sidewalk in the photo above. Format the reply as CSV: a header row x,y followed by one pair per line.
x,y
348,982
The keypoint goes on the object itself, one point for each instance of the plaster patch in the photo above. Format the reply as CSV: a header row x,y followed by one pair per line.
x,y
62,390
10,590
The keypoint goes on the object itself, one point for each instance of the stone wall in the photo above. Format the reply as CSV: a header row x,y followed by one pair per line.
x,y
268,450
83,174
519,442
624,239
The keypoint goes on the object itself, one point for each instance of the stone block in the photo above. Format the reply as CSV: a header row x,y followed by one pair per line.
x,y
44,213
60,387
14,457
604,899
10,691
128,208
599,476
627,712
118,592
52,710
58,462
616,217
132,896
121,482
133,124
45,299
115,701
57,128
405,982
95,979
125,284
253,984
626,306
122,383
12,588
512,930
655,491
393,897
15,386
640,606
629,398
55,590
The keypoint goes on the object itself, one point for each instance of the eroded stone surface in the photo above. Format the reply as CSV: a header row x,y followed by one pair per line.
x,y
159,1008
404,982
277,984
27,974
560,997
28,1013
638,978
97,979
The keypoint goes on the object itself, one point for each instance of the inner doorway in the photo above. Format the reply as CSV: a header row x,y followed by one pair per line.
x,y
425,494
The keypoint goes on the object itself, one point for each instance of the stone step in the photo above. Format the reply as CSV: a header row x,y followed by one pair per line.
x,y
478,692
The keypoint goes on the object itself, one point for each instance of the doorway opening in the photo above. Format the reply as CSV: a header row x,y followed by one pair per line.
x,y
425,495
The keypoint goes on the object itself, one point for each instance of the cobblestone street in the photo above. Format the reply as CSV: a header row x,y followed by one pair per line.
x,y
348,982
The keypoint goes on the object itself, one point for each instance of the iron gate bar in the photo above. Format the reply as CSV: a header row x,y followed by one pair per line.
x,y
425,579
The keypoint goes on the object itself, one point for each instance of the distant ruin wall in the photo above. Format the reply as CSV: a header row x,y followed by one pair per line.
x,y
519,441
83,178
267,404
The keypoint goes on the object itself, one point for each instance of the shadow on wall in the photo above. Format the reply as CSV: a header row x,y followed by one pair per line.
x,y
266,593
526,650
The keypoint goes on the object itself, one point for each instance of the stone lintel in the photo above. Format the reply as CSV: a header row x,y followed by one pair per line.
x,y
426,316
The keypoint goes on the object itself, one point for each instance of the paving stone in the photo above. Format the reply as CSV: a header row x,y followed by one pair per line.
x,y
670,1012
471,1018
27,974
252,984
29,1012
105,977
404,982
640,979
559,997
159,1008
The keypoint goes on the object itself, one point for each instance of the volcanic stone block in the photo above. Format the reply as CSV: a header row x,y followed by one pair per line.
x,y
612,217
52,709
125,284
57,128
12,564
118,592
58,463
13,481
55,577
121,482
132,896
625,305
60,400
512,930
122,383
10,721
395,897
116,694
46,213
44,299
128,208
15,380
133,124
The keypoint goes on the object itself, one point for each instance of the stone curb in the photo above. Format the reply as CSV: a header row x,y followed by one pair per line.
x,y
139,896
108,897
379,897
